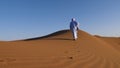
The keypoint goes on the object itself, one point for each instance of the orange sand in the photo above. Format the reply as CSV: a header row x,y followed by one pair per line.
x,y
58,50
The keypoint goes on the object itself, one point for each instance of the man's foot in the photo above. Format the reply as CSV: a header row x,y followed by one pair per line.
x,y
74,39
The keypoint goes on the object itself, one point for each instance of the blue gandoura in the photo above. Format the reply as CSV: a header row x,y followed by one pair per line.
x,y
74,27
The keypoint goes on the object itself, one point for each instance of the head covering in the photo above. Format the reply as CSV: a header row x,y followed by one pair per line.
x,y
73,19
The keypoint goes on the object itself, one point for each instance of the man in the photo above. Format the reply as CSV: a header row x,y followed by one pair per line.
x,y
74,27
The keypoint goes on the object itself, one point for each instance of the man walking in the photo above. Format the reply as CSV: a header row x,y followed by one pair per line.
x,y
74,27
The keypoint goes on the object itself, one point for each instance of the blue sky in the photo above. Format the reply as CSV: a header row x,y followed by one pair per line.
x,y
21,19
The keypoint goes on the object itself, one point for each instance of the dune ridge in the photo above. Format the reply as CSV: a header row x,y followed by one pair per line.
x,y
58,50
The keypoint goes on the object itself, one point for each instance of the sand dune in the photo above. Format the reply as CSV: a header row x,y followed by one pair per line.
x,y
113,41
58,50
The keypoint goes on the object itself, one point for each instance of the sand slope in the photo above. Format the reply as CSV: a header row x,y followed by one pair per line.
x,y
113,41
58,50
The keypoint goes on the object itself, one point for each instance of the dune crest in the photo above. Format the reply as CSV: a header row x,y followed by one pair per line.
x,y
58,50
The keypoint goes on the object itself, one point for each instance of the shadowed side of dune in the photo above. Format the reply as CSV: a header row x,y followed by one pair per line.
x,y
49,35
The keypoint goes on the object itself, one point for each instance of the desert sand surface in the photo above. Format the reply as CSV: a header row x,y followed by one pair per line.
x,y
58,50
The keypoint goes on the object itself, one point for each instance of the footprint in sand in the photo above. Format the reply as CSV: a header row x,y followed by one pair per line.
x,y
7,60
118,43
70,57
10,59
66,52
1,60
